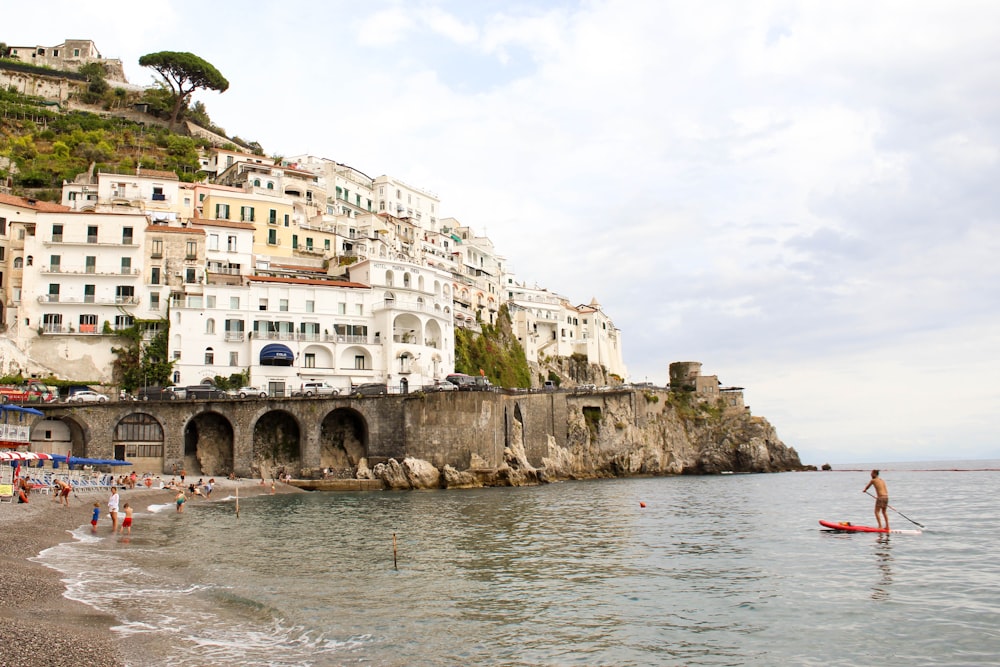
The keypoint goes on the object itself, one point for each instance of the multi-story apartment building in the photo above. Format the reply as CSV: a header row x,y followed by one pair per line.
x,y
80,281
391,323
547,325
405,201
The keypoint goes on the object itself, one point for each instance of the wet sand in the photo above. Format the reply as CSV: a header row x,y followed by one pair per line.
x,y
38,625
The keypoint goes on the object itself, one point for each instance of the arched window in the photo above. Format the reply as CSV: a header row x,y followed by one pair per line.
x,y
18,262
390,278
406,280
210,326
209,356
256,182
270,185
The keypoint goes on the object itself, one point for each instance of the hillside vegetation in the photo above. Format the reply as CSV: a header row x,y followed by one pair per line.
x,y
496,352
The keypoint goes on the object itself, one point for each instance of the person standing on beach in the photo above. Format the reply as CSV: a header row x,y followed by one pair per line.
x,y
180,499
881,498
127,521
95,517
64,490
113,509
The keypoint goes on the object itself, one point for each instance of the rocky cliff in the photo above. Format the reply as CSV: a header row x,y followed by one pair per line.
x,y
620,434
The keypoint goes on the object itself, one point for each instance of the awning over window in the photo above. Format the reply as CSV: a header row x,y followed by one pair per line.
x,y
276,354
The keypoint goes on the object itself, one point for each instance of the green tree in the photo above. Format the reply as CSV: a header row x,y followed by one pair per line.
x,y
184,73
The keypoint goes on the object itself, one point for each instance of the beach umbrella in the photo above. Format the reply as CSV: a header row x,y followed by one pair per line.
x,y
25,456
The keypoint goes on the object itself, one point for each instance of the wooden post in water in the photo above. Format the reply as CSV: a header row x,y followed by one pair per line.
x,y
396,567
237,502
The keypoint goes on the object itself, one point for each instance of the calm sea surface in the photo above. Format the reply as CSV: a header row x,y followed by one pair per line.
x,y
726,570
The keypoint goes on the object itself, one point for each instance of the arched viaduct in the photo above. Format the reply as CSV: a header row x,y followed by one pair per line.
x,y
250,437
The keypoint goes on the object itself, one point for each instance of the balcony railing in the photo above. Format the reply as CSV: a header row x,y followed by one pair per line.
x,y
235,336
89,270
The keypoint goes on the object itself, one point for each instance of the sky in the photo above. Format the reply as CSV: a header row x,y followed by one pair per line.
x,y
803,196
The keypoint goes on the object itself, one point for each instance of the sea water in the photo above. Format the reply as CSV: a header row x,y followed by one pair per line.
x,y
723,570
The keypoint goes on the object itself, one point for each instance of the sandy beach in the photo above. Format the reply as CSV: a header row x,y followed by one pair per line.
x,y
38,625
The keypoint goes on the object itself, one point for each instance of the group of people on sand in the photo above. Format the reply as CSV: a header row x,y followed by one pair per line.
x,y
113,501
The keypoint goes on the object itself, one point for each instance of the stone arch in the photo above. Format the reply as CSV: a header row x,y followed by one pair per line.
x,y
343,442
433,334
406,328
349,358
58,435
138,437
276,444
208,445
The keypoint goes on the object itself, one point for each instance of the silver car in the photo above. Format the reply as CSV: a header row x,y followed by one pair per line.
x,y
86,396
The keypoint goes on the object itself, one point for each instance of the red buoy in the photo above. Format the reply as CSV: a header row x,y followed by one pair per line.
x,y
641,504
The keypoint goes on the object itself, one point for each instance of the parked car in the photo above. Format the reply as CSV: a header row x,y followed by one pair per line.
x,y
316,389
370,389
550,385
161,393
441,386
86,396
204,391
254,392
469,382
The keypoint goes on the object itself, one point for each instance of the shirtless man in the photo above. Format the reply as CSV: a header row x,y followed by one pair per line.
x,y
882,499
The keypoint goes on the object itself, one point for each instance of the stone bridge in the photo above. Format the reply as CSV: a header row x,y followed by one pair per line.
x,y
254,437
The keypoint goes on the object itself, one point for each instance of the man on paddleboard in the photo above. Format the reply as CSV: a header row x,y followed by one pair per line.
x,y
882,499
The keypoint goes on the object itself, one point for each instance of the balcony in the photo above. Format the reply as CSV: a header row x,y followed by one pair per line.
x,y
89,299
235,336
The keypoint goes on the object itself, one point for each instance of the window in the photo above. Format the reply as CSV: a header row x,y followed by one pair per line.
x,y
154,300
57,233
190,275
125,294
92,234
231,244
272,237
210,326
90,264
154,275
157,248
341,308
234,302
209,356
262,304
222,211
18,262
310,306
213,241
283,305
359,362
54,262
246,213
123,322
295,241
88,324
286,220
210,301
310,360
272,217
326,244
234,358
126,266
158,193
52,322
126,236
88,293
53,292
192,250
359,309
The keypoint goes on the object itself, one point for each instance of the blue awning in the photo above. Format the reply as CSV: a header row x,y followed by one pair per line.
x,y
276,354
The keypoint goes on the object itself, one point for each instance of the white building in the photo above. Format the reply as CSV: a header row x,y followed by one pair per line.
x,y
391,323
81,280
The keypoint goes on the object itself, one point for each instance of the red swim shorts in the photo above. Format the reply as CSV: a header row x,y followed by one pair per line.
x,y
126,522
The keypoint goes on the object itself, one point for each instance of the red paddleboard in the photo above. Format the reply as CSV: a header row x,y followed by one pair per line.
x,y
848,527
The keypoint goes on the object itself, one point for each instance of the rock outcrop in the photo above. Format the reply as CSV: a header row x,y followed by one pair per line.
x,y
630,434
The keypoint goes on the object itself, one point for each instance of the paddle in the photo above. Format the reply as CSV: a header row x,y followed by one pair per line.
x,y
898,512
